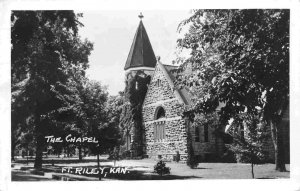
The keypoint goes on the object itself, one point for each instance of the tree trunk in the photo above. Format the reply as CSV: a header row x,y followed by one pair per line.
x,y
252,163
191,161
79,153
252,170
98,161
242,131
39,143
39,152
68,152
98,164
277,138
13,152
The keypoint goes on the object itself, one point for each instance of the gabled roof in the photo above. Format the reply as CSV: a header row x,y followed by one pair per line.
x,y
169,72
141,53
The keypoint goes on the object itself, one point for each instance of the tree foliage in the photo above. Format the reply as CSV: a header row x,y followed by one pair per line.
x,y
240,58
131,118
191,160
46,54
109,133
249,135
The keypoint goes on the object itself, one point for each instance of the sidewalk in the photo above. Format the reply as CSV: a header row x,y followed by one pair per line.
x,y
21,172
17,175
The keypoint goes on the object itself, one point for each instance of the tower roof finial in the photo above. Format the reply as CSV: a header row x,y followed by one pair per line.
x,y
141,53
141,15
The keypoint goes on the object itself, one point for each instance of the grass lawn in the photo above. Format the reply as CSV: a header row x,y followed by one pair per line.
x,y
143,170
231,171
211,170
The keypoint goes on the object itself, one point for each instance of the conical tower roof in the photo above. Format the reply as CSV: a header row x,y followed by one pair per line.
x,y
141,53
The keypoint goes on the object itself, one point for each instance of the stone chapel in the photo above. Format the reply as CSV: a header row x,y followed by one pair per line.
x,y
164,132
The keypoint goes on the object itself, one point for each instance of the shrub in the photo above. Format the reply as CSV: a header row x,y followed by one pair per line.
x,y
114,155
160,168
191,159
228,156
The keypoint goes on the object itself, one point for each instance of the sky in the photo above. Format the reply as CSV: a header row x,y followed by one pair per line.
x,y
112,33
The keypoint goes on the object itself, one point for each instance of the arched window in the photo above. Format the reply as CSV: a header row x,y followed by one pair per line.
x,y
159,126
160,113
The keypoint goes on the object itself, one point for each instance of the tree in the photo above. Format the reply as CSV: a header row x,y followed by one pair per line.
x,y
240,58
92,114
97,114
248,134
191,160
114,107
45,49
18,119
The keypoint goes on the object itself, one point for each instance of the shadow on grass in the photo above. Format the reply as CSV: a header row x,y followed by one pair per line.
x,y
201,168
129,175
140,175
23,176
132,167
61,160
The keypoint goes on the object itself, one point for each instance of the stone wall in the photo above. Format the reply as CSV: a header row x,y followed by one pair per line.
x,y
204,147
213,148
160,94
157,93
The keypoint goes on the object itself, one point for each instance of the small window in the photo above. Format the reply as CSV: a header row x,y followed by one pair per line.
x,y
158,83
205,133
197,137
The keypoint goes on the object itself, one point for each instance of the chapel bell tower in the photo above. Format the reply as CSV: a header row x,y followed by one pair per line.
x,y
141,56
139,67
